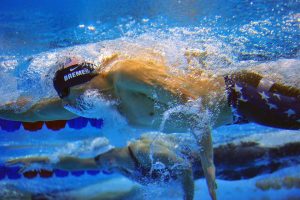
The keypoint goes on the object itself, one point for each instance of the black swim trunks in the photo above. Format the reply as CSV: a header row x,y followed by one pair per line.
x,y
260,100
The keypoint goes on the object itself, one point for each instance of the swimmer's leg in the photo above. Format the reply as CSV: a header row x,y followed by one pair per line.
x,y
204,140
260,100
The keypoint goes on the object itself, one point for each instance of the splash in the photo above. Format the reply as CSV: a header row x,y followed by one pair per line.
x,y
200,115
181,144
169,45
9,92
83,148
92,104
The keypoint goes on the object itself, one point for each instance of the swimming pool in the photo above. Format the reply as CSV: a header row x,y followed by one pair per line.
x,y
33,34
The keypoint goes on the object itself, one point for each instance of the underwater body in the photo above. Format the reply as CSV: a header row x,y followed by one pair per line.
x,y
252,161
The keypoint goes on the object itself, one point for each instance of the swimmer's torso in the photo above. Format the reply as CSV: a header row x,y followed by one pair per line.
x,y
153,95
147,91
159,160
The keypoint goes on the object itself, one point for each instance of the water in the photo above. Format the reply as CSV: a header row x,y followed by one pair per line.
x,y
35,34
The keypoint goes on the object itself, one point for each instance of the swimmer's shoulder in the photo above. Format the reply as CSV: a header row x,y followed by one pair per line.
x,y
141,151
136,72
130,66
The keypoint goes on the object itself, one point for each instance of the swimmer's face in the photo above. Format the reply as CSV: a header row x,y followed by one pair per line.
x,y
99,83
76,102
74,94
73,76
90,98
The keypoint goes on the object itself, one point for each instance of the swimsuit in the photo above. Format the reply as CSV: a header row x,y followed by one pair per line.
x,y
259,100
145,175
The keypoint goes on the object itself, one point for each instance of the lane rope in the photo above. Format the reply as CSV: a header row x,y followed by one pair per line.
x,y
12,173
77,123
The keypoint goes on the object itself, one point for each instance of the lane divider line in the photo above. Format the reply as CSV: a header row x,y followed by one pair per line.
x,y
77,123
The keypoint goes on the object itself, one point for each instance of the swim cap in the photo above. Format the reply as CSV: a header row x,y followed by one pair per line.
x,y
71,76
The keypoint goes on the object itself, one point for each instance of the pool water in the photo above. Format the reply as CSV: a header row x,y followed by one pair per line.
x,y
33,34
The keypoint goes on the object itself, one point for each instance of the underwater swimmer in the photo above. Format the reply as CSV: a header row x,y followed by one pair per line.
x,y
143,89
144,161
146,91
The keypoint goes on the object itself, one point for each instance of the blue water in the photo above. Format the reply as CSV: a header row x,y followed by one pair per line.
x,y
28,27
258,30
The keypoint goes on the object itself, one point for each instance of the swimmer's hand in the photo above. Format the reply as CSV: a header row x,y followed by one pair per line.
x,y
26,162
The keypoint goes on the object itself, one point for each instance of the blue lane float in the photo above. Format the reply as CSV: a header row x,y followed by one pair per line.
x,y
9,126
78,123
92,172
2,172
77,173
13,173
61,173
97,123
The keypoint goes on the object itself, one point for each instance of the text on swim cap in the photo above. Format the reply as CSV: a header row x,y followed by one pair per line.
x,y
76,74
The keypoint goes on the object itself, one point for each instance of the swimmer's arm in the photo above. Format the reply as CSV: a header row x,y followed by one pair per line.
x,y
64,163
185,174
73,163
183,170
187,182
204,141
44,110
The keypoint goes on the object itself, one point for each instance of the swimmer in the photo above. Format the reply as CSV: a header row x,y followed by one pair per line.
x,y
144,161
147,90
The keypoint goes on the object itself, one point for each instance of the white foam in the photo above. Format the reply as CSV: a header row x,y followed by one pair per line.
x,y
8,65
8,89
283,70
93,105
91,28
167,46
83,148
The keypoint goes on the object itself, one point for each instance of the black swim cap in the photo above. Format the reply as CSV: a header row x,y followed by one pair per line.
x,y
71,76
